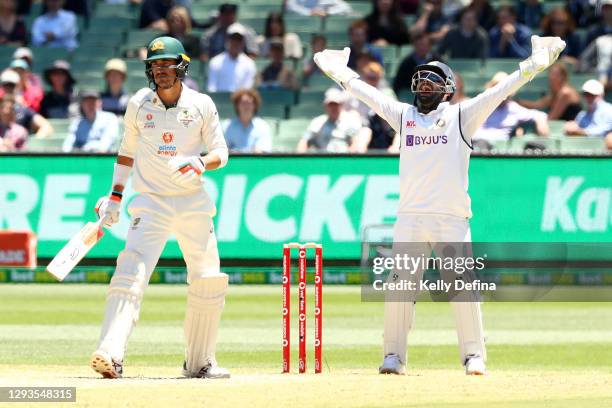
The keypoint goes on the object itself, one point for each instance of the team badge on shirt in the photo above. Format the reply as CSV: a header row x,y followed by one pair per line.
x,y
185,118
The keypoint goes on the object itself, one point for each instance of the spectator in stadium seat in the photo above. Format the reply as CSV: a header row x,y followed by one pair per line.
x,y
78,7
530,13
459,90
13,137
380,135
214,39
318,8
57,102
509,39
559,23
153,14
276,75
431,21
114,97
233,69
179,27
31,95
309,68
24,116
596,120
507,118
604,23
485,13
56,28
336,131
385,24
563,101
373,74
597,58
583,11
275,28
12,26
25,54
358,43
422,54
247,132
467,40
95,131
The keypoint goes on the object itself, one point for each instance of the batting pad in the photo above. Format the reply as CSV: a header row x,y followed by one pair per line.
x,y
468,319
205,301
122,304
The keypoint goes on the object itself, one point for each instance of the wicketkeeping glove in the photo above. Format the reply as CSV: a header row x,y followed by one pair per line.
x,y
334,64
186,170
544,52
108,207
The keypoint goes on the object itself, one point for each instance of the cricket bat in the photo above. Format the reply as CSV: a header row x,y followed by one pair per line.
x,y
76,249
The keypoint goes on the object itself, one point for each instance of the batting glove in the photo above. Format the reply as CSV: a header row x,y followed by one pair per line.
x,y
544,52
186,170
334,64
108,208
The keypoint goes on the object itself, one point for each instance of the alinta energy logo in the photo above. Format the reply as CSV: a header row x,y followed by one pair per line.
x,y
167,149
413,140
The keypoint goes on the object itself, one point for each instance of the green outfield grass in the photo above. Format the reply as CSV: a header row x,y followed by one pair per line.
x,y
540,354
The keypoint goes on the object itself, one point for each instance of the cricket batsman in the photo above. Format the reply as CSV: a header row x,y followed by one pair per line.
x,y
435,147
166,129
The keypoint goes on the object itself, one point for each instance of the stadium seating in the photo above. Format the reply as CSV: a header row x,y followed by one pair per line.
x,y
112,31
576,144
46,145
532,142
290,131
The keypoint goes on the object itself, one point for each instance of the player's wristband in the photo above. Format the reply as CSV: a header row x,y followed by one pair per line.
x,y
121,174
116,196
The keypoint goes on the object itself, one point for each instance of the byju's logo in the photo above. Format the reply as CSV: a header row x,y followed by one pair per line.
x,y
412,140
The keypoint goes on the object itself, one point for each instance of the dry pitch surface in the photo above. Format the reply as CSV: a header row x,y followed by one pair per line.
x,y
540,355
344,388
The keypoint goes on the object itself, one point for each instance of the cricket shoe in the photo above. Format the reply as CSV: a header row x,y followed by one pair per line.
x,y
210,370
102,363
392,365
475,365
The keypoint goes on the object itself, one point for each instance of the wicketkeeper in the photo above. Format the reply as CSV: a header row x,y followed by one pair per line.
x,y
166,130
435,147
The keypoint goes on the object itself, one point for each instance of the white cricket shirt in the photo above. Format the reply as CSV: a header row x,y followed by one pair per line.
x,y
435,147
154,134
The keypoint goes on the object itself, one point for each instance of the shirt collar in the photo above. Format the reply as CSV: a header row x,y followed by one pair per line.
x,y
156,100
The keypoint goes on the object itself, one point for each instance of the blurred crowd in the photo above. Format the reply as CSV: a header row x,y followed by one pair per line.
x,y
445,30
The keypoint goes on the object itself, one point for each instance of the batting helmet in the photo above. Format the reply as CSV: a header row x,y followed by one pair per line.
x,y
167,48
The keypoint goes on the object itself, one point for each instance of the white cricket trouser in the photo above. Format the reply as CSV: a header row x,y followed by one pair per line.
x,y
431,232
188,217
154,218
